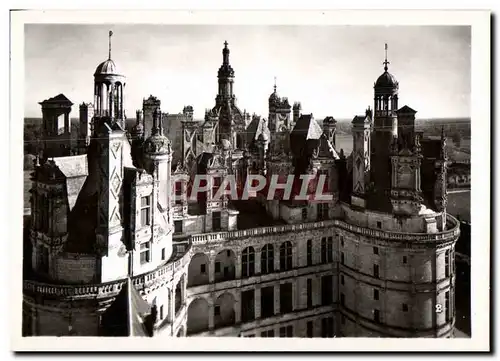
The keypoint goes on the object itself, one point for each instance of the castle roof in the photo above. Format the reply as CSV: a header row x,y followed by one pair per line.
x,y
386,80
127,315
59,99
107,67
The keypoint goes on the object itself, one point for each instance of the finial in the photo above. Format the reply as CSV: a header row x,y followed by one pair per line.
x,y
109,49
275,84
225,44
385,62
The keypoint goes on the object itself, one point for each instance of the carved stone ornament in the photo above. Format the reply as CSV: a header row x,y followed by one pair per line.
x,y
157,144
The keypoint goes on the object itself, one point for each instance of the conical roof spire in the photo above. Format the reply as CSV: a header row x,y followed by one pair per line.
x,y
385,61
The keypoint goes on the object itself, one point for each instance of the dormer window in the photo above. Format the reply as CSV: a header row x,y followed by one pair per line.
x,y
215,185
178,192
145,211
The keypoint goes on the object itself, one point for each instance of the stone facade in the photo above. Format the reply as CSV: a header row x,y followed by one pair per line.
x,y
347,267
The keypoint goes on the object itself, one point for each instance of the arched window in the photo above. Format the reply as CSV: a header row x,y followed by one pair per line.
x,y
267,259
286,256
248,262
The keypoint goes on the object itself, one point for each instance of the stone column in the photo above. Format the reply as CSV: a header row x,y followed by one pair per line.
x,y
237,308
66,122
96,97
211,269
171,305
294,294
184,289
211,316
276,257
112,100
104,98
257,261
238,265
277,299
257,302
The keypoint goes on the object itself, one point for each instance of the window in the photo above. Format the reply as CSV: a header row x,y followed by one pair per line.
x,y
267,259
310,329
376,295
342,299
217,267
267,301
286,256
286,331
375,271
447,264
163,254
309,252
304,214
145,250
376,315
322,211
203,268
178,192
217,311
161,312
177,226
327,327
375,250
329,249
379,224
405,307
447,308
216,221
405,260
342,241
226,272
286,296
323,250
309,293
326,290
268,333
215,185
342,258
145,211
248,262
342,281
247,305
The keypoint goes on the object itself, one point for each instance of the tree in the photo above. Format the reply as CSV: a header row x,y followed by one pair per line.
x,y
457,139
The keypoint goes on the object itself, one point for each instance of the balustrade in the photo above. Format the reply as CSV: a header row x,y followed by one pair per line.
x,y
143,281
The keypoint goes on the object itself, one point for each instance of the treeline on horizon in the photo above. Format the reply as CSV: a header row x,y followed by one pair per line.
x,y
456,129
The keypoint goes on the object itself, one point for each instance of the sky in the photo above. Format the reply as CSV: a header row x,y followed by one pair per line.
x,y
331,70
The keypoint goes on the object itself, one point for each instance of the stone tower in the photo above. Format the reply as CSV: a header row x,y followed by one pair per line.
x,y
85,131
149,106
361,159
56,126
330,129
385,127
108,91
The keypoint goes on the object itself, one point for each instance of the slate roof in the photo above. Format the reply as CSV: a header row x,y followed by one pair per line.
x,y
255,128
307,126
58,99
127,315
75,169
406,109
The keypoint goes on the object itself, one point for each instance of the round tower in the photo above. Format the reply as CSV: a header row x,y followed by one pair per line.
x,y
385,124
108,90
